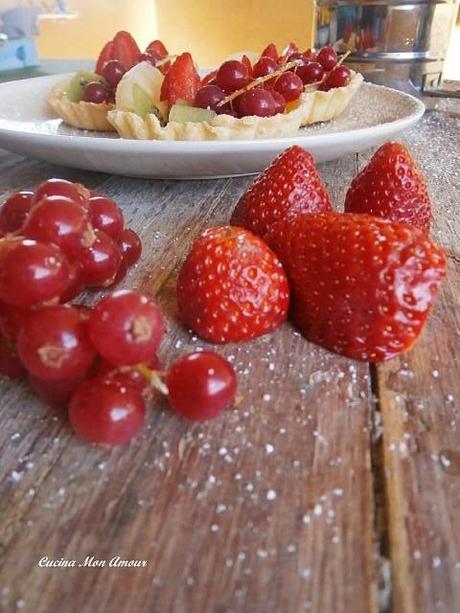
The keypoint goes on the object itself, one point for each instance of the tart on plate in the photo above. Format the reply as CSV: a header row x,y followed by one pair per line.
x,y
84,100
247,97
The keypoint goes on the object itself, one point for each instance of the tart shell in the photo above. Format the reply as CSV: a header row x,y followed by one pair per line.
x,y
83,115
314,107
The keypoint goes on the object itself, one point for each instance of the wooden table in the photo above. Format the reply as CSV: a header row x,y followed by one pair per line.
x,y
334,486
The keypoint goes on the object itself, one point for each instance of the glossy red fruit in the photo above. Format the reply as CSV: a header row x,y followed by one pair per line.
x,y
54,392
298,57
14,211
338,77
201,385
100,262
392,186
287,52
60,220
121,274
270,51
231,287
280,102
264,66
290,185
60,187
247,62
11,320
232,75
327,57
10,365
54,344
105,215
208,97
125,49
75,284
97,93
312,72
257,101
129,377
130,246
157,47
150,56
32,273
289,85
126,327
105,55
361,286
182,81
102,411
209,78
113,72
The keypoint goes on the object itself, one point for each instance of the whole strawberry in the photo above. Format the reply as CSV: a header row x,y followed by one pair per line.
x,y
290,184
391,186
231,287
360,286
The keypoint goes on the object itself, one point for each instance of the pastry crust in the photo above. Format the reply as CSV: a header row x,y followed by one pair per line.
x,y
314,107
83,115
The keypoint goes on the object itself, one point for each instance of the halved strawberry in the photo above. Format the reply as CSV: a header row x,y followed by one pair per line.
x,y
247,62
104,56
290,185
125,49
208,78
291,48
157,47
270,51
181,82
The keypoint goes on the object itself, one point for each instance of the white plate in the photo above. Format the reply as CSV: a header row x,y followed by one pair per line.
x,y
375,114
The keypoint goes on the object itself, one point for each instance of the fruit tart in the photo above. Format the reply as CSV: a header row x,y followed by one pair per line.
x,y
84,100
271,96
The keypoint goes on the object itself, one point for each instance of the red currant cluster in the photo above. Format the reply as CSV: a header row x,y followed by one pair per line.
x,y
265,88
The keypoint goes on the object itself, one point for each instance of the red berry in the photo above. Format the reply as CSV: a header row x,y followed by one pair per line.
x,y
231,287
103,411
201,385
61,187
327,57
121,274
280,102
105,215
97,93
310,73
297,56
11,320
32,273
10,364
112,72
130,246
100,262
289,85
126,327
338,77
59,220
158,48
55,392
75,283
263,67
54,344
129,377
257,101
232,75
208,97
181,82
14,211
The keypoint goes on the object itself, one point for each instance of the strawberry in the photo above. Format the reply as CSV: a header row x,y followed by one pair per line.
x,y
247,62
123,48
181,82
289,185
391,186
208,78
360,286
270,51
157,47
231,287
104,56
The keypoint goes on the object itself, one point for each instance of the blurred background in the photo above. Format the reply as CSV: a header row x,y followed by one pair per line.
x,y
212,29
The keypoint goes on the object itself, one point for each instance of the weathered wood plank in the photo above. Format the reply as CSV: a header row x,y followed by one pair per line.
x,y
267,509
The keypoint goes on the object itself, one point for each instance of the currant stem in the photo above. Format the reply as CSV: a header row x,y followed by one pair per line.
x,y
152,376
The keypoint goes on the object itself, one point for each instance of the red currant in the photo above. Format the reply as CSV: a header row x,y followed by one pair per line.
x,y
75,283
297,56
14,211
201,385
256,101
10,364
130,246
55,392
59,220
54,344
310,73
150,56
61,187
11,320
126,327
209,96
32,273
97,93
101,261
106,215
130,376
327,57
103,411
338,77
280,102
112,72
289,85
264,66
232,75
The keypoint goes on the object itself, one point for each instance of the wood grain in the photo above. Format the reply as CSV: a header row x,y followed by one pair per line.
x,y
267,509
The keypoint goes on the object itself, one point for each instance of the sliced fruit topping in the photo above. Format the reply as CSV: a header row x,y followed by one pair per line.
x,y
270,51
139,89
78,83
181,82
158,48
183,113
